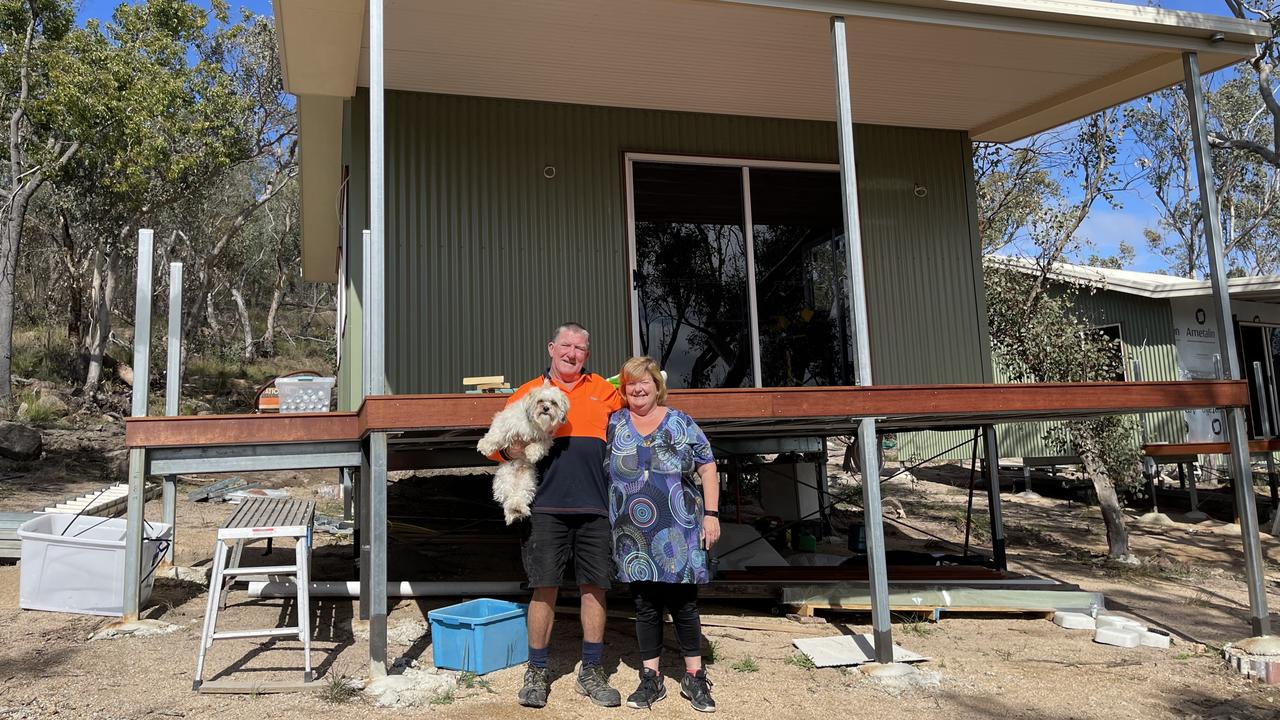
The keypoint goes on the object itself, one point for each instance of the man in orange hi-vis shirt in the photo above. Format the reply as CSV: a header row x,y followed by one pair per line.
x,y
570,517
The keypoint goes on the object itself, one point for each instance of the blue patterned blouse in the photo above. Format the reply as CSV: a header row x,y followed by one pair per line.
x,y
654,505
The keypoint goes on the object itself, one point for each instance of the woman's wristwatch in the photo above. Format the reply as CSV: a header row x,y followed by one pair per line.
x,y
711,513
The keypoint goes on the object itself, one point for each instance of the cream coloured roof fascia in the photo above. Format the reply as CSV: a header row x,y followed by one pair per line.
x,y
1079,19
320,184
1129,282
320,44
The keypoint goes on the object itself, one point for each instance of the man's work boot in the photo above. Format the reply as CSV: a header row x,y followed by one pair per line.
x,y
536,687
593,683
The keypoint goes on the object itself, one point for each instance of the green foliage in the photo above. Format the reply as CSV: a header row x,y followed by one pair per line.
x,y
746,665
37,413
1038,335
712,652
911,625
1244,182
1035,196
43,356
445,697
471,681
800,660
338,689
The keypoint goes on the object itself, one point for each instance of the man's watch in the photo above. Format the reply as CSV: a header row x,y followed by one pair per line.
x,y
711,513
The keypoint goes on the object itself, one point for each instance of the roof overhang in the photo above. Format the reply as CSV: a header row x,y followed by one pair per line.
x,y
1261,288
320,156
1000,70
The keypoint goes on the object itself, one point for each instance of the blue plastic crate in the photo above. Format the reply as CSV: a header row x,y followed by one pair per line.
x,y
480,636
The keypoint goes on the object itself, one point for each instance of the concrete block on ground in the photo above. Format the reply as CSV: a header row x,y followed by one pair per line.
x,y
1154,639
1265,668
1119,621
1074,620
1118,636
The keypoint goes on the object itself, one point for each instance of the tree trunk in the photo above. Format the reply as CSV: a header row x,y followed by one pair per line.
x,y
211,317
75,269
106,267
9,240
1112,514
245,325
277,297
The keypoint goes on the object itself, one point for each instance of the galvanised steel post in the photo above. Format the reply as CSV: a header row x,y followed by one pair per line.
x,y
1241,468
138,456
172,392
374,359
991,450
867,441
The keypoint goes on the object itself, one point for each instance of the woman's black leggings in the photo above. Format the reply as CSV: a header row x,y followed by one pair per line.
x,y
679,599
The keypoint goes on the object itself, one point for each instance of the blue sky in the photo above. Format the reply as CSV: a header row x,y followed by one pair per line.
x,y
1105,227
104,8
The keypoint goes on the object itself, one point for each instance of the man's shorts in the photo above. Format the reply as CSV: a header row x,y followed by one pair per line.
x,y
550,540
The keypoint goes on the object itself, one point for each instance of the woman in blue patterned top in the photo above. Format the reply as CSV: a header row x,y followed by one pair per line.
x,y
663,498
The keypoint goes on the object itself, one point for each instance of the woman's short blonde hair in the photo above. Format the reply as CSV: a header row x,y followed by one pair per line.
x,y
639,366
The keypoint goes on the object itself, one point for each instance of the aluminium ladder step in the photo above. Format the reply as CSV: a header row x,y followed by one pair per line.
x,y
266,632
263,570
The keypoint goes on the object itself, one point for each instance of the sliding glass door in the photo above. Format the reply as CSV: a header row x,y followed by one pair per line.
x,y
1261,344
690,274
801,277
739,272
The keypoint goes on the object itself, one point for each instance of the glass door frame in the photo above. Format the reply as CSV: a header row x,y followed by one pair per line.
x,y
629,160
1269,396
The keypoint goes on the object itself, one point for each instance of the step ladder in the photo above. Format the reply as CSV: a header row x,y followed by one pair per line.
x,y
260,519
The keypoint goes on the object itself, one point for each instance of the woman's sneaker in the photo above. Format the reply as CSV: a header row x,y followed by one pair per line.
x,y
697,690
651,690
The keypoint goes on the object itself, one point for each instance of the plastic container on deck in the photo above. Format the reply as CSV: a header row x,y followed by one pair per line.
x,y
76,564
305,393
479,636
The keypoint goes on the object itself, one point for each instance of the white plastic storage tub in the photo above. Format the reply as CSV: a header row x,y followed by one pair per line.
x,y
76,564
305,393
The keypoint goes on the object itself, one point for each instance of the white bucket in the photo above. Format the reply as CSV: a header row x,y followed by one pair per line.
x,y
76,564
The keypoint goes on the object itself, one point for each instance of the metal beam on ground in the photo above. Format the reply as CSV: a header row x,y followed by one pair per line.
x,y
991,450
868,443
138,456
1241,468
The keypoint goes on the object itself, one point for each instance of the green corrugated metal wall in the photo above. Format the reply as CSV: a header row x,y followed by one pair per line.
x,y
485,255
1146,327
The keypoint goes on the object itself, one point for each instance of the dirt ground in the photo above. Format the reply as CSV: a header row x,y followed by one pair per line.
x,y
990,667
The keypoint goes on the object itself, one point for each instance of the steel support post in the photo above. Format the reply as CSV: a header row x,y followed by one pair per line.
x,y
137,456
991,452
377,533
1242,469
348,485
373,468
172,393
868,443
362,528
1149,470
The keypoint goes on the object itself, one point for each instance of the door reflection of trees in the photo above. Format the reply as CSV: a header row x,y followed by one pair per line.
x,y
693,288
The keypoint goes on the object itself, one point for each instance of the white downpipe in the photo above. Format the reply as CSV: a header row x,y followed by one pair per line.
x,y
404,588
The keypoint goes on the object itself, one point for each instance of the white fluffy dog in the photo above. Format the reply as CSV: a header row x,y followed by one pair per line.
x,y
532,420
